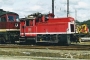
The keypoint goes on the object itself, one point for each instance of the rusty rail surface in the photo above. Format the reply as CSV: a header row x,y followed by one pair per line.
x,y
71,47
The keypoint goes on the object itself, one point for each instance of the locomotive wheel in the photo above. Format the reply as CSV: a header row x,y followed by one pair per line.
x,y
2,40
12,42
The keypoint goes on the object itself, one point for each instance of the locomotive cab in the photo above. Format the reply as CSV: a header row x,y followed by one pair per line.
x,y
26,24
9,21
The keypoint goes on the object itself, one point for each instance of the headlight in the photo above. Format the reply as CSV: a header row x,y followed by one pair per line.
x,y
16,24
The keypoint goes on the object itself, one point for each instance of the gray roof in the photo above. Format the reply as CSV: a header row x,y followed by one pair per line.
x,y
2,12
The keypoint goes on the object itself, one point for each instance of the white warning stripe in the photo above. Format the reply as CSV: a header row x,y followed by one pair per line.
x,y
49,33
4,30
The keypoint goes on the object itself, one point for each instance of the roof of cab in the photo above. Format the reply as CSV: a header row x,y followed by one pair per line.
x,y
2,12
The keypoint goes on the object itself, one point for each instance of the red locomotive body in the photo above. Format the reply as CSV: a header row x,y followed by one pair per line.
x,y
45,28
9,26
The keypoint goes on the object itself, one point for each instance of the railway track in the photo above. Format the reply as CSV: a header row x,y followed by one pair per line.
x,y
71,47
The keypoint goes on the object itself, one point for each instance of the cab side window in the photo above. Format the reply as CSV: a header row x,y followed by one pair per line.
x,y
17,18
3,19
27,22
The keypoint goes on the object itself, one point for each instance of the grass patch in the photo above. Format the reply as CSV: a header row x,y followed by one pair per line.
x,y
67,54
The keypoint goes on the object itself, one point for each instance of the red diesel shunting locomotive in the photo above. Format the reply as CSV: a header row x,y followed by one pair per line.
x,y
9,26
47,29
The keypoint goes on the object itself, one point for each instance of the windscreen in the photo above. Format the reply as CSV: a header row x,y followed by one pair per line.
x,y
11,18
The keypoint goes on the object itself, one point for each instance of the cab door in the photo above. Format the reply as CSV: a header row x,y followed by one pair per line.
x,y
30,28
22,28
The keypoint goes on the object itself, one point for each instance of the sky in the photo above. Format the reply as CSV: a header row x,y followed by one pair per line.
x,y
79,9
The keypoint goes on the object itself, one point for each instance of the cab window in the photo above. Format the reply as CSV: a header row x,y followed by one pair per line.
x,y
3,19
11,18
17,18
27,22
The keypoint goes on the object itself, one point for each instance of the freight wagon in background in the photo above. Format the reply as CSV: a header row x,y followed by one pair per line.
x,y
9,26
44,28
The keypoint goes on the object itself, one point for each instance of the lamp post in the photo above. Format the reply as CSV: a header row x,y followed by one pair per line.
x,y
53,6
75,14
67,8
